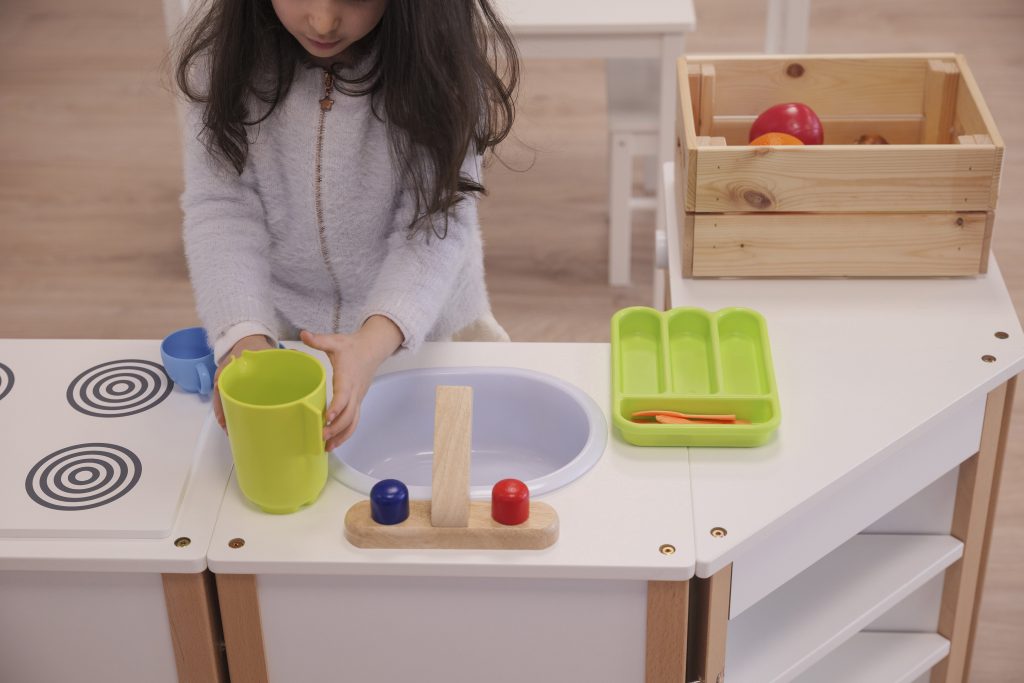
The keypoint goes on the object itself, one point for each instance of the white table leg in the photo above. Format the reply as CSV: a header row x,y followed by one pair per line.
x,y
619,217
787,24
671,50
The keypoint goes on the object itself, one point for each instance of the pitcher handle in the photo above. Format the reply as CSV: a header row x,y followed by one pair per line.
x,y
316,445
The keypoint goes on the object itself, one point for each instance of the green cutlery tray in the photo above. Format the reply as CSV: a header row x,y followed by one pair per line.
x,y
693,361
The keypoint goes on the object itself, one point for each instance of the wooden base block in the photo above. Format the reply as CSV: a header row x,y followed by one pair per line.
x,y
540,531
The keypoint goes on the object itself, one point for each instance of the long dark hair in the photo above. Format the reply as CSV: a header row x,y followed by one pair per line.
x,y
443,74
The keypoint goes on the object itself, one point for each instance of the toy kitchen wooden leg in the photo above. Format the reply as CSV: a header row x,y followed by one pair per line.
x,y
243,627
973,517
667,619
195,627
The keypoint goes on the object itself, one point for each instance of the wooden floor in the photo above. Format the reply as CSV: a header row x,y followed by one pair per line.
x,y
90,175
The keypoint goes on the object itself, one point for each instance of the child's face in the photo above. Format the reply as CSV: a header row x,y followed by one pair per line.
x,y
326,28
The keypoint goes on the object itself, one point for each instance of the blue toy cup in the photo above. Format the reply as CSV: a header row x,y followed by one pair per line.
x,y
188,359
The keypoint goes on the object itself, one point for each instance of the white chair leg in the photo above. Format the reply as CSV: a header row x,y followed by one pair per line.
x,y
619,218
787,23
650,173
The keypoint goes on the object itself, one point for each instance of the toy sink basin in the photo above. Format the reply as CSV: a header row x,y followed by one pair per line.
x,y
526,425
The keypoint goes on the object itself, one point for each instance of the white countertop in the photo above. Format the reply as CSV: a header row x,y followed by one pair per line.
x,y
861,365
134,482
613,519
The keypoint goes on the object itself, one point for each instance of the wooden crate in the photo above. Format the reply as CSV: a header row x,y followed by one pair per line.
x,y
920,206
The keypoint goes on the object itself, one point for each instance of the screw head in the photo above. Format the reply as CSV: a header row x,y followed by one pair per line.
x,y
795,70
989,358
1002,335
667,549
236,542
719,532
182,542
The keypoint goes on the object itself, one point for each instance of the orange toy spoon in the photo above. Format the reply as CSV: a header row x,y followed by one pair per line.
x,y
685,416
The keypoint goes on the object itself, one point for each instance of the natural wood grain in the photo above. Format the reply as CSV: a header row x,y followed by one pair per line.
x,y
897,130
808,244
708,626
667,612
453,427
538,532
195,627
971,522
845,178
940,86
831,85
707,99
243,629
1011,391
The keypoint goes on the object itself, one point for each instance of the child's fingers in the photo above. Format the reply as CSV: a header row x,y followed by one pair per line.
x,y
218,409
345,435
341,422
321,342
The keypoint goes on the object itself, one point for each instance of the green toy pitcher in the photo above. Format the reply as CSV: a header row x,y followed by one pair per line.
x,y
274,403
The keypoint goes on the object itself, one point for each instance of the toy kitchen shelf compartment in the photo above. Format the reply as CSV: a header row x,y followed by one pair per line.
x,y
690,360
921,205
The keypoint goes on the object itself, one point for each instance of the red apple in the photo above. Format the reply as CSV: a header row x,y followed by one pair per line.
x,y
794,118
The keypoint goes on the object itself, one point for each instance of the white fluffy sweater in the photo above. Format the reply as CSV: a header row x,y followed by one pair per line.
x,y
269,255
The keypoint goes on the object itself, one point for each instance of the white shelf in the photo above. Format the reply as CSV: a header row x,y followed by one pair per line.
x,y
812,615
881,657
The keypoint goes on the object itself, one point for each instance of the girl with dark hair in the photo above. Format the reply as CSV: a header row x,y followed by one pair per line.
x,y
332,169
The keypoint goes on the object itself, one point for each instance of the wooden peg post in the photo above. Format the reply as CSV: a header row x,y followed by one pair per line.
x,y
453,426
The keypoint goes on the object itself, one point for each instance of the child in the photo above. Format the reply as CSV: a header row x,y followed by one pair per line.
x,y
332,166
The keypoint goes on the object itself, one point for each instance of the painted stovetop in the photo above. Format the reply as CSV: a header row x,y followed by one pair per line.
x,y
95,439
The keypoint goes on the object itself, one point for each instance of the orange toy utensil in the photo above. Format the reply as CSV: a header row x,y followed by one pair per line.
x,y
671,420
685,416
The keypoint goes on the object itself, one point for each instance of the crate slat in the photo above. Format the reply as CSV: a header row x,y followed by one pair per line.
x,y
897,130
806,245
844,178
832,86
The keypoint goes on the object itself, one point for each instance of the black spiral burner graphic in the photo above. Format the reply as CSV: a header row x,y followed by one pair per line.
x,y
6,381
85,476
119,388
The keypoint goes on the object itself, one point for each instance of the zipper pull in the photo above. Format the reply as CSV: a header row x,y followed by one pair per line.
x,y
326,103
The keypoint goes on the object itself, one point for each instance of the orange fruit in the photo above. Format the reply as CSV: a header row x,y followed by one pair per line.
x,y
776,139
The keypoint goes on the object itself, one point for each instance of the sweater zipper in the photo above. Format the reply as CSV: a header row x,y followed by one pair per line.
x,y
325,106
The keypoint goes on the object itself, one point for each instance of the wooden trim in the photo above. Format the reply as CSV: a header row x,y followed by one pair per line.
x,y
986,245
687,112
1011,389
972,525
844,178
709,626
195,627
969,95
687,242
667,614
833,86
243,629
839,130
828,244
707,100
941,79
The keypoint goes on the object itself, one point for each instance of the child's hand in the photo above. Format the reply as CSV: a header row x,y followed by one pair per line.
x,y
254,342
355,359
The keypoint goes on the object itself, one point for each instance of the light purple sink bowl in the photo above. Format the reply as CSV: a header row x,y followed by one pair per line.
x,y
526,425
